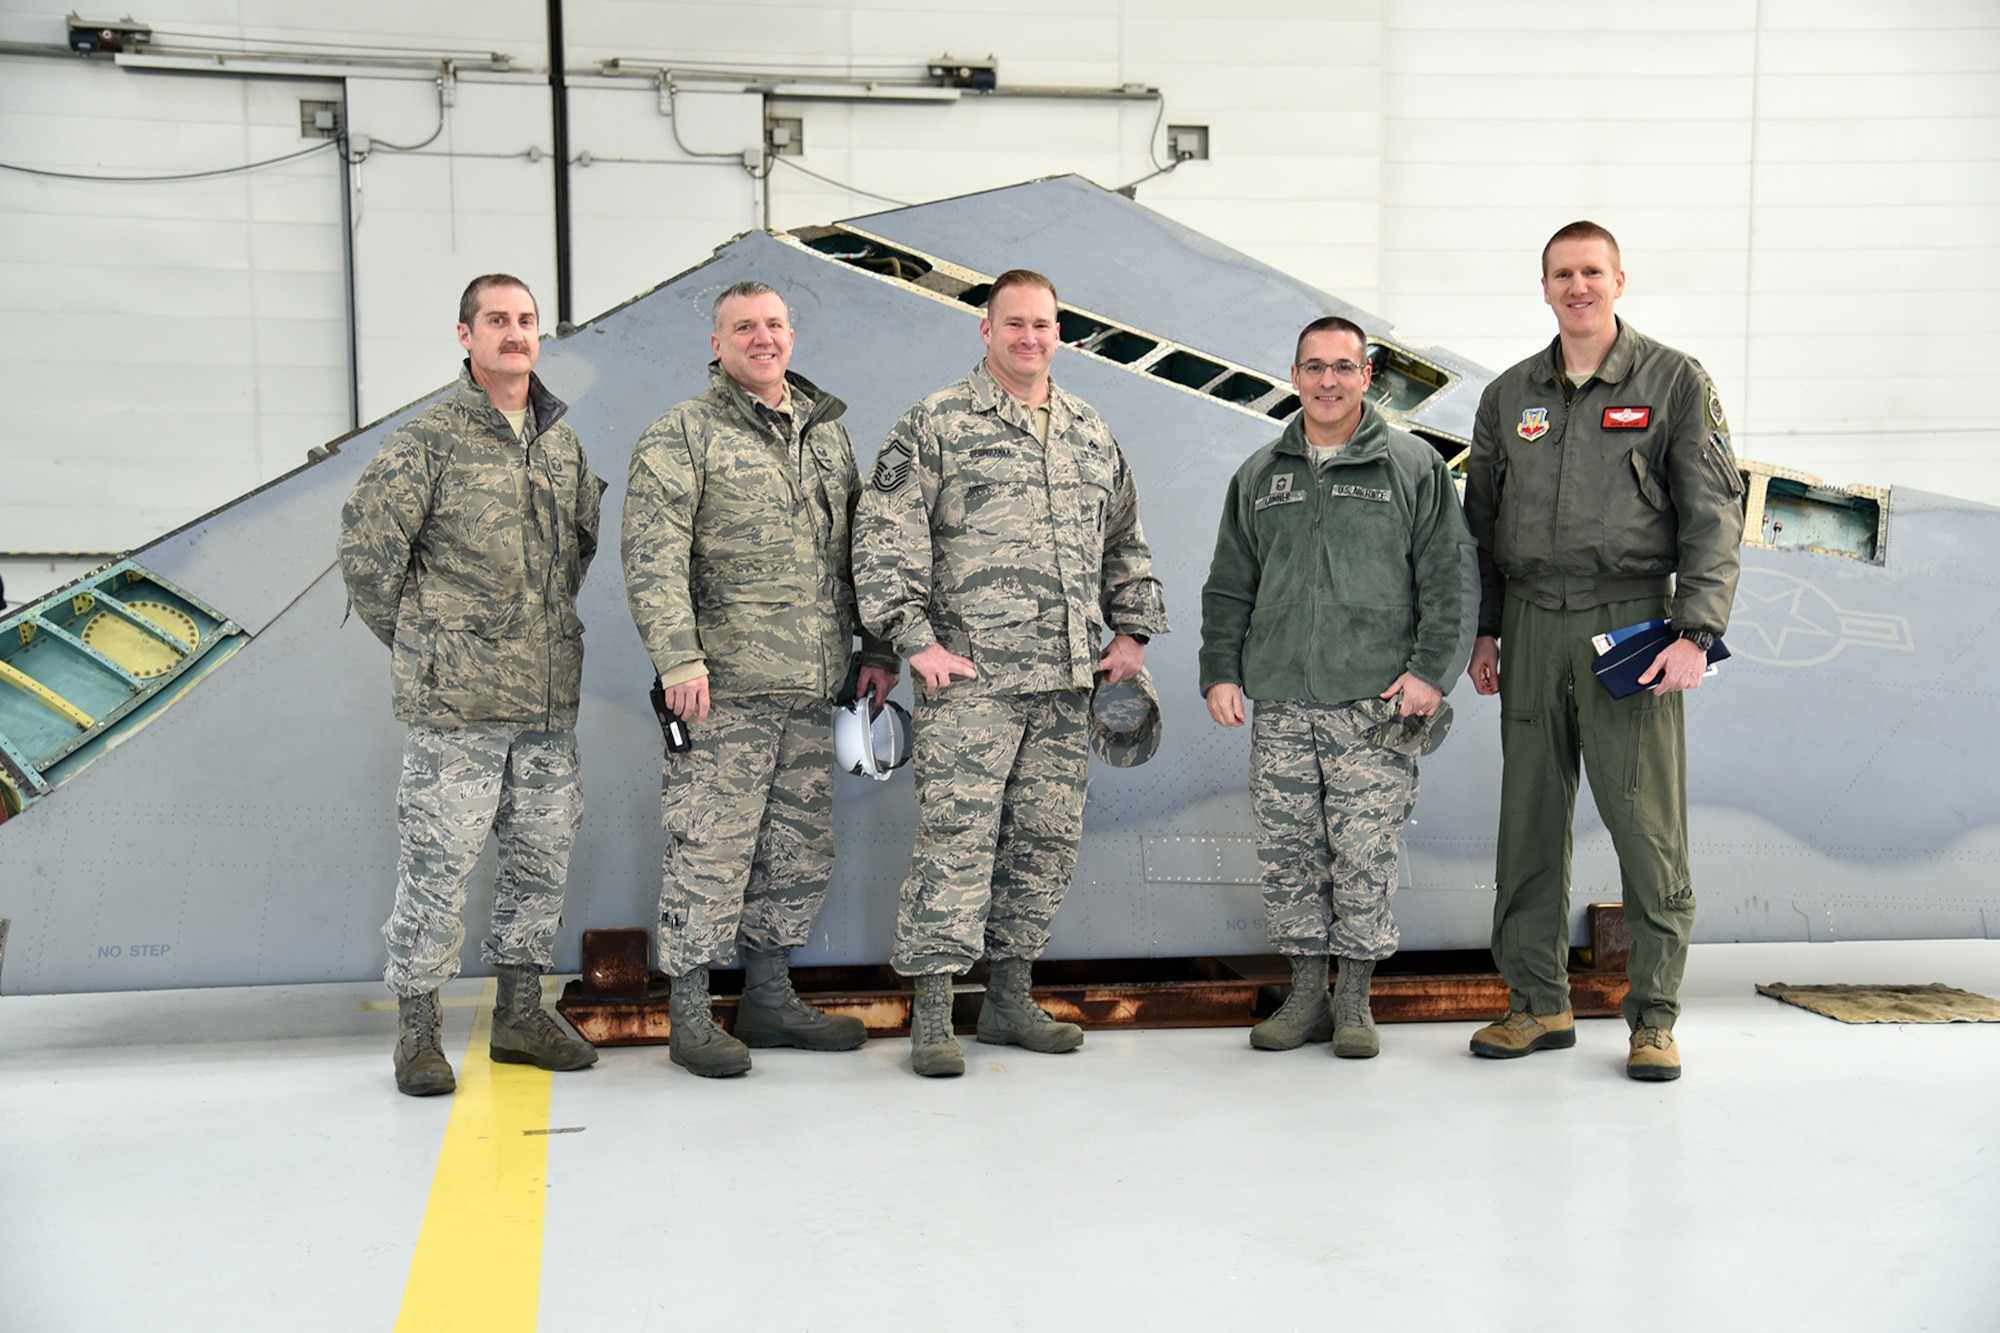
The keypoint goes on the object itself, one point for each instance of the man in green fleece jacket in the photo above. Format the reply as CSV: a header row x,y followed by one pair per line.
x,y
1342,600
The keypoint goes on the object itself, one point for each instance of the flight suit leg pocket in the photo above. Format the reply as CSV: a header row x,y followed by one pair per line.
x,y
1655,765
1521,730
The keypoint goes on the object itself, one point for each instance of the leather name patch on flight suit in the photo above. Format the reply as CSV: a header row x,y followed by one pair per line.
x,y
1627,418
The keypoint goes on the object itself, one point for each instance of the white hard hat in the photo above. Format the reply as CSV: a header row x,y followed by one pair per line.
x,y
871,749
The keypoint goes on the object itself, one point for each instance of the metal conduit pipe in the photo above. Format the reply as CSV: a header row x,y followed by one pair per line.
x,y
559,116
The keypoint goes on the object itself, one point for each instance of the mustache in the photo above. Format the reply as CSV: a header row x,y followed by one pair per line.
x,y
522,348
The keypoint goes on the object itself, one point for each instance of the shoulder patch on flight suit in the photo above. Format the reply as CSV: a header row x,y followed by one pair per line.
x,y
1716,421
892,468
1534,423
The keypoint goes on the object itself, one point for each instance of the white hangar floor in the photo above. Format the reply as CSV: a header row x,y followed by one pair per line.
x,y
239,1159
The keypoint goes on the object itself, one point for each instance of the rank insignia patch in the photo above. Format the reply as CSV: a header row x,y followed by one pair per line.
x,y
892,468
1281,492
1534,423
1627,418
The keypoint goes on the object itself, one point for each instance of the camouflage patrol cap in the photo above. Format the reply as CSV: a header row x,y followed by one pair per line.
x,y
1125,720
1414,736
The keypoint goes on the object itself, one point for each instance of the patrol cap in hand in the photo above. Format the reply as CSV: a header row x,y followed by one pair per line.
x,y
1125,720
1415,736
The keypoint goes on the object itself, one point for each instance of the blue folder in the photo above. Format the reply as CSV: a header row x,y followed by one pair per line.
x,y
1620,668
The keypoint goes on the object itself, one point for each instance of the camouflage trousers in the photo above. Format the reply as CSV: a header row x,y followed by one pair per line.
x,y
1000,787
1330,806
749,819
458,784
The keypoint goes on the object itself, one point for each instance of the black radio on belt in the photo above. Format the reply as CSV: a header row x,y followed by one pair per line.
x,y
671,726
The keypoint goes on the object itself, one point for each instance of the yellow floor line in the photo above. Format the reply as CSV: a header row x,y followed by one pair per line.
x,y
444,1002
478,1263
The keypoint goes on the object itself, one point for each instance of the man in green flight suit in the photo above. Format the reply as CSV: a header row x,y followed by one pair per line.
x,y
1602,493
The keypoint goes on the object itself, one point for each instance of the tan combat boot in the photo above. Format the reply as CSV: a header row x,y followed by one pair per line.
x,y
1655,1057
1010,1016
694,1042
421,1069
1354,1034
772,1014
934,1052
1304,1016
1521,1033
523,1031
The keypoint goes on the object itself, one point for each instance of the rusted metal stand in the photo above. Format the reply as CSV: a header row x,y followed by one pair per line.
x,y
618,1001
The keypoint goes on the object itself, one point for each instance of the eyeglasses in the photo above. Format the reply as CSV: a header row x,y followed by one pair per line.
x,y
1316,370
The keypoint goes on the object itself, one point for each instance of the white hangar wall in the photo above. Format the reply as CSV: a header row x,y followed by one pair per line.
x,y
1806,190
1807,193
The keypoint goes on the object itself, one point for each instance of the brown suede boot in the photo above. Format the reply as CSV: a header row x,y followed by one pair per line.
x,y
1655,1058
1522,1033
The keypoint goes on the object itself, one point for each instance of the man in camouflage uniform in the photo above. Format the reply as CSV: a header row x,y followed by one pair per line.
x,y
997,541
1341,599
737,516
463,546
1602,492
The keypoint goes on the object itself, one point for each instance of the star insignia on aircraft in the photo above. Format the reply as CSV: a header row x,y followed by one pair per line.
x,y
1782,620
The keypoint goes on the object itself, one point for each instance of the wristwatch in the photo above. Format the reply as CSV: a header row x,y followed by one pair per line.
x,y
1141,639
1700,638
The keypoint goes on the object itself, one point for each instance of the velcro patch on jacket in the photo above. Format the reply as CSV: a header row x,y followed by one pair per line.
x,y
1281,492
892,467
1534,423
1378,495
1627,418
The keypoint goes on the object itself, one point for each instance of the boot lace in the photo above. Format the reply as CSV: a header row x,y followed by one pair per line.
x,y
536,1021
1656,1037
933,1021
1299,1004
689,1004
426,1020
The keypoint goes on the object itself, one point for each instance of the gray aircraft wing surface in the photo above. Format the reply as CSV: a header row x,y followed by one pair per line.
x,y
236,826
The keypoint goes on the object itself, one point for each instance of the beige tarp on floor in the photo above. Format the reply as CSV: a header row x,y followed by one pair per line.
x,y
1934,1003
